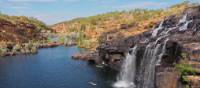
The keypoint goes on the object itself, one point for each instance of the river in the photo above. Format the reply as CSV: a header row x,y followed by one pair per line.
x,y
52,68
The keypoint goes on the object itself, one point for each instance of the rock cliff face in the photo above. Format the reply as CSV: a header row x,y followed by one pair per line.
x,y
93,30
159,50
20,32
22,35
22,29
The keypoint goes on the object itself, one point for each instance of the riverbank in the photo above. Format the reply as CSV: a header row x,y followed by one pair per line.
x,y
22,35
11,49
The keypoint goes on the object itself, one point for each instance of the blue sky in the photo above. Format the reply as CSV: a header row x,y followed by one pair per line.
x,y
54,11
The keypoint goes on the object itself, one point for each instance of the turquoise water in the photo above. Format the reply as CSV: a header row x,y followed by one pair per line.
x,y
52,68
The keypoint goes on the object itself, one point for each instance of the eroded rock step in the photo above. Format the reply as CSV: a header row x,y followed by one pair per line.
x,y
166,76
195,65
194,81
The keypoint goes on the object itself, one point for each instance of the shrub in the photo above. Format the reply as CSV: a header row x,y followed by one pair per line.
x,y
3,50
62,39
33,49
17,47
80,38
186,69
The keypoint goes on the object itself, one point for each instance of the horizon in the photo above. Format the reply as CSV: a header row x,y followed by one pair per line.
x,y
55,11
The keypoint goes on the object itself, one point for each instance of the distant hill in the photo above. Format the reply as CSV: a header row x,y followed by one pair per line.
x,y
91,31
21,29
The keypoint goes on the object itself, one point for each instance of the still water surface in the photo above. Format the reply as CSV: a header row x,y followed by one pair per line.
x,y
52,68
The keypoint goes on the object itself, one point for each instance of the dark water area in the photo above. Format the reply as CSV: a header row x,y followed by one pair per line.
x,y
52,68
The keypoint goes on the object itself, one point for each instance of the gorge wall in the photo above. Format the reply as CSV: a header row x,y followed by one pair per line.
x,y
91,31
173,40
21,29
22,35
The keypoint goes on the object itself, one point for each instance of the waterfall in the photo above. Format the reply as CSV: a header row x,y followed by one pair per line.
x,y
163,51
151,58
155,31
170,29
183,19
144,76
185,23
138,71
127,72
147,71
160,38
185,26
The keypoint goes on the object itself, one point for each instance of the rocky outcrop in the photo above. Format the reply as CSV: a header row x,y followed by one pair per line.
x,y
91,57
194,81
22,35
49,45
167,78
25,48
19,32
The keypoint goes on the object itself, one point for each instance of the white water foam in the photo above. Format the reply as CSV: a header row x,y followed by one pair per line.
x,y
127,72
185,26
186,23
155,31
183,19
170,29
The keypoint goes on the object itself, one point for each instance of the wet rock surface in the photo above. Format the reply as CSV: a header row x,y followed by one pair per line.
x,y
173,36
167,78
91,57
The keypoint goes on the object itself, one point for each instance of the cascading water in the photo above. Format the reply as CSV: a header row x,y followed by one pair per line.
x,y
155,31
146,73
185,26
186,23
148,67
127,73
162,37
153,53
170,29
183,19
151,58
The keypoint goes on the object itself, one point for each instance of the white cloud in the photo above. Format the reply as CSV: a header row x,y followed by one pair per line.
x,y
32,0
16,6
99,1
142,5
42,0
71,0
53,18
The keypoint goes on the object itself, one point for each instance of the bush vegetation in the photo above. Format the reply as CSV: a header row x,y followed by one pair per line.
x,y
22,34
137,20
27,20
186,69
